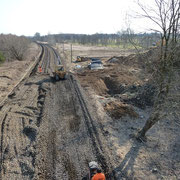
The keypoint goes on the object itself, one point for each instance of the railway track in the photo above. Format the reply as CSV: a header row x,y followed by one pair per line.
x,y
92,130
47,131
20,117
45,63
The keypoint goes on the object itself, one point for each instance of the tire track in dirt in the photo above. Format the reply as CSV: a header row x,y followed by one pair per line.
x,y
22,114
47,131
98,146
19,127
70,140
77,139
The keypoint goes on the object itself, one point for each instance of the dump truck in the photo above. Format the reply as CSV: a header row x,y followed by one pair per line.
x,y
59,72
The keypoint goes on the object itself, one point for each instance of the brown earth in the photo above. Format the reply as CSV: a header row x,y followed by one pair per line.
x,y
50,130
122,96
117,109
12,72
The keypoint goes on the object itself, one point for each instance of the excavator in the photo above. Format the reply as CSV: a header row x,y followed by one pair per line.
x,y
59,72
78,59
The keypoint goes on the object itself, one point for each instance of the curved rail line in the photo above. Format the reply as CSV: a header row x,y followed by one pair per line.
x,y
97,145
56,55
29,73
92,130
46,57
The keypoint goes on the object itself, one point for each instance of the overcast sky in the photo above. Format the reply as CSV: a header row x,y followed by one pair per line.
x,y
26,17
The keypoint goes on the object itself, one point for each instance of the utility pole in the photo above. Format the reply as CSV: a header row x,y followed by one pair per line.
x,y
71,53
63,46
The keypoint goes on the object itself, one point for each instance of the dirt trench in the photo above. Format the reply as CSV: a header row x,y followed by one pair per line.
x,y
47,131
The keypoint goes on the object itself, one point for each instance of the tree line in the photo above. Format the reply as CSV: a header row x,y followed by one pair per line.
x,y
122,38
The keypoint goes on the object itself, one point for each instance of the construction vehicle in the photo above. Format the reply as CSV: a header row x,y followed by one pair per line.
x,y
95,64
80,59
59,72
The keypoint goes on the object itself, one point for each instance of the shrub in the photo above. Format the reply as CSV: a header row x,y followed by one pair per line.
x,y
2,58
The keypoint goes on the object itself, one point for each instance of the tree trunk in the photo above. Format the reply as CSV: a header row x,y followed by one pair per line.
x,y
149,123
155,116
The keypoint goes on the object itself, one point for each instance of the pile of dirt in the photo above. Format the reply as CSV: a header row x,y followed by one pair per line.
x,y
120,84
140,60
143,96
113,86
110,80
92,81
118,109
123,77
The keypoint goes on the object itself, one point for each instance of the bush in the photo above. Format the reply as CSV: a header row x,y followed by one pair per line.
x,y
2,58
14,47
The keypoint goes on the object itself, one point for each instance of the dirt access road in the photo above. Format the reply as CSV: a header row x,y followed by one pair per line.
x,y
47,129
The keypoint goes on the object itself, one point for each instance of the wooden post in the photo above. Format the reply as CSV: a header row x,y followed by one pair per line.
x,y
63,46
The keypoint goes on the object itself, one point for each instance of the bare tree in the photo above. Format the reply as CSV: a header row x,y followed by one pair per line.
x,y
165,15
14,47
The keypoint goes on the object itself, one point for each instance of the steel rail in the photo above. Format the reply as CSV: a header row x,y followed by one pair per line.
x,y
92,130
30,72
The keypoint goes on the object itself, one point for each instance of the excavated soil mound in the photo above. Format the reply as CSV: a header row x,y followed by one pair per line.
x,y
140,60
94,81
143,96
111,80
118,109
125,77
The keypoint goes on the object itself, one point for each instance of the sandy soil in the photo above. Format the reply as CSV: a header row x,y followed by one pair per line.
x,y
11,72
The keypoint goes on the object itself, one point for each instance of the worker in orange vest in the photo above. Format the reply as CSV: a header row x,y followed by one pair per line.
x,y
99,175
40,69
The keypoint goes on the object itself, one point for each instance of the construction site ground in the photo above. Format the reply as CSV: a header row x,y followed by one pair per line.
x,y
122,97
51,130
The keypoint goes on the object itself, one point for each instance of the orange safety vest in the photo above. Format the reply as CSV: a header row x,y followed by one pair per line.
x,y
99,176
40,69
